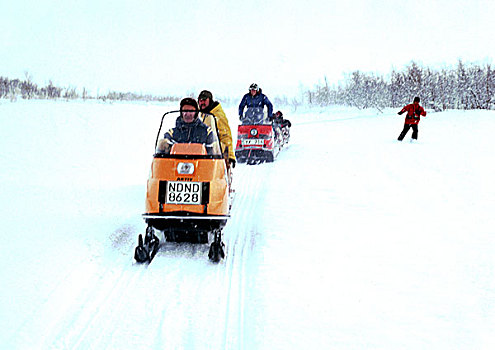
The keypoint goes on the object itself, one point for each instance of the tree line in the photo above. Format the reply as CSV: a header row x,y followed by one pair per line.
x,y
26,89
460,87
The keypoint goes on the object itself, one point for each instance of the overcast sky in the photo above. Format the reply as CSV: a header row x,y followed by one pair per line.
x,y
176,47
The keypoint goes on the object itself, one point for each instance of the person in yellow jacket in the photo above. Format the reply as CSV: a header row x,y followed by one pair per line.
x,y
207,105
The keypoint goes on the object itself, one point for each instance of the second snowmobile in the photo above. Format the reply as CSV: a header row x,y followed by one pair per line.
x,y
257,139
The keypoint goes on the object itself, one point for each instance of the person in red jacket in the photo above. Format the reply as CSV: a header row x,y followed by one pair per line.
x,y
414,112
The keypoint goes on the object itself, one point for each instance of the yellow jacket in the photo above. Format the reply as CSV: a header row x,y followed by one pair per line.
x,y
222,124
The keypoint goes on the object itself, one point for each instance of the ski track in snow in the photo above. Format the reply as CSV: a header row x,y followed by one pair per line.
x,y
241,237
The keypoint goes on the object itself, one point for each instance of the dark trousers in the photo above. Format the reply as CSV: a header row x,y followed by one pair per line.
x,y
406,129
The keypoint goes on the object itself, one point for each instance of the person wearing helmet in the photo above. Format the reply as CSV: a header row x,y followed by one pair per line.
x,y
284,124
255,101
278,117
189,128
414,112
213,109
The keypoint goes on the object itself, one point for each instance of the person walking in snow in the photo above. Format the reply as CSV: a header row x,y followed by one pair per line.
x,y
255,101
414,112
213,109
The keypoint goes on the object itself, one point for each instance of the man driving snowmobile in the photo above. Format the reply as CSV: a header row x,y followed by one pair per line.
x,y
255,101
189,129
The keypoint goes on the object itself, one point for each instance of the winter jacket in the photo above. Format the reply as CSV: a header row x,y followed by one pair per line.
x,y
222,125
258,101
413,113
194,132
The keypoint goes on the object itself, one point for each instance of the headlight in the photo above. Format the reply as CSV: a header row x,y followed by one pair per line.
x,y
185,168
254,132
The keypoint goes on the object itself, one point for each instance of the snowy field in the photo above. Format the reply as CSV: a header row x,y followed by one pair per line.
x,y
349,240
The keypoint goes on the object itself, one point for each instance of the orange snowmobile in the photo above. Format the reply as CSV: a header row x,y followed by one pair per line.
x,y
188,197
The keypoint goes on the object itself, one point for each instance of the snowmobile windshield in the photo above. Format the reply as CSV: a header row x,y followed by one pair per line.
x,y
254,116
196,140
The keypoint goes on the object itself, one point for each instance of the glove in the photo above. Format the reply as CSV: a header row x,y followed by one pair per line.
x,y
400,113
232,162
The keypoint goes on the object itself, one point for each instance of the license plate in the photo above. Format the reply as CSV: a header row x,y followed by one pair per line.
x,y
248,142
179,192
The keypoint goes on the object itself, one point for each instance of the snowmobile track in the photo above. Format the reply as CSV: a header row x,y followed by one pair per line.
x,y
240,233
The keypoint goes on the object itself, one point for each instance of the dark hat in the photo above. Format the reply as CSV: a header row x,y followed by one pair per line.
x,y
203,95
416,99
189,102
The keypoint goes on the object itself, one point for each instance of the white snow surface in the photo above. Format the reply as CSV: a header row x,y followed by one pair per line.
x,y
349,240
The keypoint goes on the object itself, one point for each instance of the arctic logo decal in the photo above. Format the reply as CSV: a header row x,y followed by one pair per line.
x,y
183,179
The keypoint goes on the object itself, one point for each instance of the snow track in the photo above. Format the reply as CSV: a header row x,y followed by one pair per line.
x,y
181,299
241,235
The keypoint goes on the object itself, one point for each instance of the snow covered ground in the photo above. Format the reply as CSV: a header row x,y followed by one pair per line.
x,y
349,240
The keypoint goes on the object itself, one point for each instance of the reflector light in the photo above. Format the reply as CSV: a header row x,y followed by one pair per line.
x,y
185,168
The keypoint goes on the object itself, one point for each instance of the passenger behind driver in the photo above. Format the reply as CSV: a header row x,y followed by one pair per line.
x,y
279,122
208,105
278,118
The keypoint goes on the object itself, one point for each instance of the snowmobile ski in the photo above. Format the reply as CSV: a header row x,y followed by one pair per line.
x,y
147,249
217,251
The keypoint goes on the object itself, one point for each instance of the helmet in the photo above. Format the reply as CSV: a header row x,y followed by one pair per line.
x,y
254,86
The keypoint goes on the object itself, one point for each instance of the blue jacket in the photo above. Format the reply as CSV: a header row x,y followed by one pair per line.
x,y
258,101
194,132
